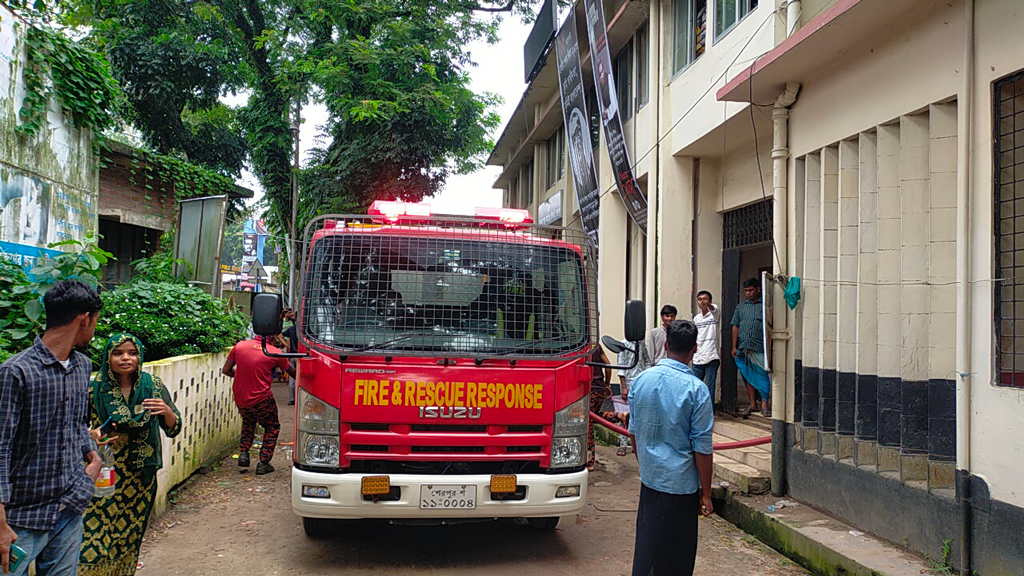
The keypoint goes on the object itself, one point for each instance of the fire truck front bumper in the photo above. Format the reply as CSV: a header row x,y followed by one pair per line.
x,y
321,495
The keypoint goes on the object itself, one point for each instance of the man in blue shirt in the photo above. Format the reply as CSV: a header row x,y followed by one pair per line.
x,y
671,419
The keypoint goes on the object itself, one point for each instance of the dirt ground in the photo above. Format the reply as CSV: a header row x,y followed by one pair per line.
x,y
229,521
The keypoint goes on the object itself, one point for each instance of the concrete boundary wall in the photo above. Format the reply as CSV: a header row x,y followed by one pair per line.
x,y
210,421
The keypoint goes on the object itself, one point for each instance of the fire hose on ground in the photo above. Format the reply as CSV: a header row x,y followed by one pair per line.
x,y
721,446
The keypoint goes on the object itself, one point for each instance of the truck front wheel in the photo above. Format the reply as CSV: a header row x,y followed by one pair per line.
x,y
544,524
321,528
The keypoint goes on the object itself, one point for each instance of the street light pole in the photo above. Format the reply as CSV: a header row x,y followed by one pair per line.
x,y
293,236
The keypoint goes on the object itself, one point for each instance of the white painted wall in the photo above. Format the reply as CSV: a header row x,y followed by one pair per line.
x,y
901,74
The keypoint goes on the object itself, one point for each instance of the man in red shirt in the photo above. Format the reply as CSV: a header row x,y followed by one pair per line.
x,y
253,372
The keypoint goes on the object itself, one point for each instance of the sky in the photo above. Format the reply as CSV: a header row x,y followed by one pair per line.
x,y
499,70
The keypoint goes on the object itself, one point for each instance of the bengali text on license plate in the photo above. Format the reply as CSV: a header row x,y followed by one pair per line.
x,y
448,496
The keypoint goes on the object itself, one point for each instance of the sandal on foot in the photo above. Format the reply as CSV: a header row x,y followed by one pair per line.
x,y
621,451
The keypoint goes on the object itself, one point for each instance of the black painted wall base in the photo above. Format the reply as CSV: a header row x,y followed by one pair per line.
x,y
908,515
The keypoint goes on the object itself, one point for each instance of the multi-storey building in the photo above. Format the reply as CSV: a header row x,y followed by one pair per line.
x,y
875,150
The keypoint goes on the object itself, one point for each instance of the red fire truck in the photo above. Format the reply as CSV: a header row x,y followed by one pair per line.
x,y
443,370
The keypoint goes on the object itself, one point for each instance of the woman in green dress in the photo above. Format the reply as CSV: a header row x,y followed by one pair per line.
x,y
137,406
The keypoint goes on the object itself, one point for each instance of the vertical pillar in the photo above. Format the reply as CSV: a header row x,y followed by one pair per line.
x,y
611,278
812,289
888,305
675,242
797,208
829,275
941,277
846,320
866,427
915,295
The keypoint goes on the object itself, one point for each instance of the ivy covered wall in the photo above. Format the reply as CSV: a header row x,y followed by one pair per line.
x,y
48,180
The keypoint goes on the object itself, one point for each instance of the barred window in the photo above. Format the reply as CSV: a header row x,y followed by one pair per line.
x,y
748,225
1009,228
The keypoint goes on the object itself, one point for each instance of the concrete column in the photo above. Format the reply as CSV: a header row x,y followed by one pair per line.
x,y
611,272
915,295
888,306
829,276
941,277
675,242
846,321
797,217
866,428
810,326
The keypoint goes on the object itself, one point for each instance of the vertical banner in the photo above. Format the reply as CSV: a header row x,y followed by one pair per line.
x,y
629,191
577,126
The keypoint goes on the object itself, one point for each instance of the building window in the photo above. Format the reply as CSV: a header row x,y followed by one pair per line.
x,y
526,185
689,22
729,12
556,157
624,81
1009,229
513,194
643,40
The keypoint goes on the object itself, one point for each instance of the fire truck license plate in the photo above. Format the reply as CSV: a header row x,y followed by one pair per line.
x,y
448,496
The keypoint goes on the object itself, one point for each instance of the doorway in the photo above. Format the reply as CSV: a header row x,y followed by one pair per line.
x,y
747,251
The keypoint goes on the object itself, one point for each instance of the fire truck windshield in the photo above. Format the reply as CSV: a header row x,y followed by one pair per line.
x,y
444,295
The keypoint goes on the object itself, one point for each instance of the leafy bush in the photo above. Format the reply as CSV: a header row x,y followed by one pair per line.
x,y
171,319
20,309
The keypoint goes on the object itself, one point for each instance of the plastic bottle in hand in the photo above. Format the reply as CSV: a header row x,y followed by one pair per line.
x,y
106,482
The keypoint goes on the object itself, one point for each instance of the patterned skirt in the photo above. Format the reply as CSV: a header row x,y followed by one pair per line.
x,y
113,526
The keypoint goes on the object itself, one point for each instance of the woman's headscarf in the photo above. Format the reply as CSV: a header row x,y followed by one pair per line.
x,y
127,417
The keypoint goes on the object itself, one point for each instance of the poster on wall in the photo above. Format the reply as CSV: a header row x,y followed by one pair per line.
x,y
608,102
577,128
35,213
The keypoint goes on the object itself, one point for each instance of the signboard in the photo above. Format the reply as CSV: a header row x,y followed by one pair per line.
x,y
249,242
539,41
550,210
198,241
577,128
608,102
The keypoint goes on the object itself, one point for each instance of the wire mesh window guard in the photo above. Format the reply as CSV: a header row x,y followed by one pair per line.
x,y
457,288
1009,228
748,225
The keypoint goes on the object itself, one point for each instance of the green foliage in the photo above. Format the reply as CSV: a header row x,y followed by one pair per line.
x,y
84,262
159,267
171,319
79,79
20,309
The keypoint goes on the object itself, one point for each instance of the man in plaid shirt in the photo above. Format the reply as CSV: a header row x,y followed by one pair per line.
x,y
45,484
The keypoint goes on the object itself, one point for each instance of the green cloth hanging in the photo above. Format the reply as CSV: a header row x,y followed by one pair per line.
x,y
792,293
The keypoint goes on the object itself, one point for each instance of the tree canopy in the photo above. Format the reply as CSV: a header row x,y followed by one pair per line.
x,y
393,75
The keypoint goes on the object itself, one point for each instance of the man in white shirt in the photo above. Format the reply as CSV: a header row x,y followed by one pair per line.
x,y
707,359
657,337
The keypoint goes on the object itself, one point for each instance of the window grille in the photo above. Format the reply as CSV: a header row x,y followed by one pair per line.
x,y
450,288
1009,228
748,226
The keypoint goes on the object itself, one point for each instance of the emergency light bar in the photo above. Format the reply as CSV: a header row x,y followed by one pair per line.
x,y
394,210
507,215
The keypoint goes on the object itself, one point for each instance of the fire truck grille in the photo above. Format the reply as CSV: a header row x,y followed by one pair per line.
x,y
447,287
370,447
523,449
447,428
445,468
446,449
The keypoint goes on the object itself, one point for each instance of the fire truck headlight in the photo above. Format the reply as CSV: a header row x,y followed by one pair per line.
x,y
320,450
566,452
572,420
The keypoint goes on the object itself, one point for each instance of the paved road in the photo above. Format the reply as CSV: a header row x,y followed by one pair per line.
x,y
232,522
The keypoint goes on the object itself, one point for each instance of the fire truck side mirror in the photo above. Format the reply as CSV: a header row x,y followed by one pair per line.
x,y
635,323
266,314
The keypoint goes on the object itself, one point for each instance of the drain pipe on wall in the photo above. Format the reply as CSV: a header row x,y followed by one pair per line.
x,y
963,276
780,230
793,12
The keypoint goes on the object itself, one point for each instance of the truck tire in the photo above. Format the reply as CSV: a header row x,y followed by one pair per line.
x,y
543,524
320,528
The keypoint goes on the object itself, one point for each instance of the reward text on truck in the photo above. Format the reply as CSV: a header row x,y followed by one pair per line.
x,y
443,372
